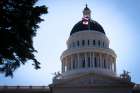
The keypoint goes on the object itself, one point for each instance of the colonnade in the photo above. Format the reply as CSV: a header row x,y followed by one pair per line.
x,y
88,60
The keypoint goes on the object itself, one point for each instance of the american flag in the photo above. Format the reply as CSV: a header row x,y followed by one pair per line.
x,y
85,20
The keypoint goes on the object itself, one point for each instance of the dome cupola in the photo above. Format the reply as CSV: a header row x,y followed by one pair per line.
x,y
87,23
86,12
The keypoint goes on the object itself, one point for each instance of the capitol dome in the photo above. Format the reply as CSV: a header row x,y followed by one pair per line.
x,y
88,50
91,26
87,24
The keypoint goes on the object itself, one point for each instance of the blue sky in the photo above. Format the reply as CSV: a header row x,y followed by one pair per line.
x,y
119,18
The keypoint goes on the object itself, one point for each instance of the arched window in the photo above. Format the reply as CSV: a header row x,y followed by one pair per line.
x,y
83,42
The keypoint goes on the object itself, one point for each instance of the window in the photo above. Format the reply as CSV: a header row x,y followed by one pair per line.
x,y
88,42
93,42
83,63
83,42
95,62
98,42
78,43
70,66
76,64
73,44
103,44
70,46
99,62
73,64
104,63
88,61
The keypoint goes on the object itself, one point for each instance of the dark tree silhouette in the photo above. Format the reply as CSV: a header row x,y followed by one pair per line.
x,y
18,25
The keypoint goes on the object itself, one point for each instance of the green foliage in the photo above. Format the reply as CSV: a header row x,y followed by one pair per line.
x,y
18,25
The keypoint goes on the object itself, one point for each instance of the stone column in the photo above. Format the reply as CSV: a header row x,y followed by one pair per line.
x,y
69,59
91,65
86,63
100,58
63,65
111,63
93,60
114,64
68,64
78,56
107,61
104,61
71,62
76,63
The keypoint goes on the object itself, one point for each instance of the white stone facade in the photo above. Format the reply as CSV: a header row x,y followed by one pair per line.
x,y
88,51
88,64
